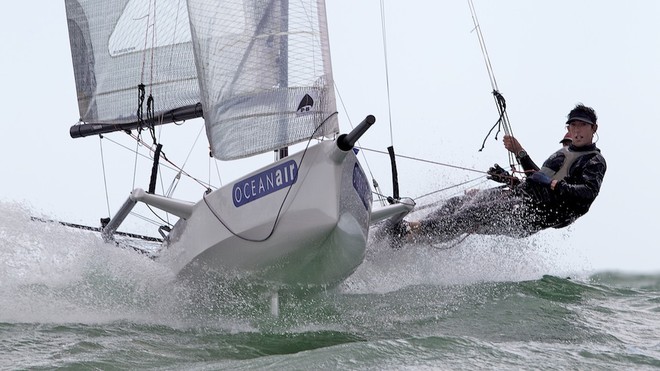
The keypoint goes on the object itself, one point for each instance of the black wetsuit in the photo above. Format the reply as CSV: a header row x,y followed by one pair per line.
x,y
528,164
528,207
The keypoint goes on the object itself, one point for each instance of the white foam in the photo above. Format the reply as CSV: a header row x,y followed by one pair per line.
x,y
475,259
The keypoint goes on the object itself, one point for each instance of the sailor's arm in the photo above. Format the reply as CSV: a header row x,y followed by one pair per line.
x,y
513,146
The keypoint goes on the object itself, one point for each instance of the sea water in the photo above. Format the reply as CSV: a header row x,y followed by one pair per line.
x,y
68,300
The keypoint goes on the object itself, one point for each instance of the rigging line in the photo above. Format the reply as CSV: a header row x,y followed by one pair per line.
x,y
500,102
387,74
450,187
176,179
140,106
499,120
160,172
146,218
150,114
209,170
137,146
172,165
174,33
424,160
162,187
105,180
140,154
482,45
173,185
217,169
201,128
155,214
164,156
152,52
434,203
146,38
214,163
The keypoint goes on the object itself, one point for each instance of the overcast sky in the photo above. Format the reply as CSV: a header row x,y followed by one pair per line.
x,y
547,56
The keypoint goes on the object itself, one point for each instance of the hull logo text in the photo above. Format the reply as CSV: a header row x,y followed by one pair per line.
x,y
361,186
265,183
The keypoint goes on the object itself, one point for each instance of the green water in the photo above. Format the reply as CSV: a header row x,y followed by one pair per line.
x,y
606,322
69,301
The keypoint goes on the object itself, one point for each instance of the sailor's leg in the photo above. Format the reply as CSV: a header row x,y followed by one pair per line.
x,y
393,231
491,212
448,207
401,231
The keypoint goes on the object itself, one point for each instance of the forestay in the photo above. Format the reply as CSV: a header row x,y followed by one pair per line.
x,y
264,71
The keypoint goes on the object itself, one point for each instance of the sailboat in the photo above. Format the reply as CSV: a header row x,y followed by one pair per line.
x,y
259,74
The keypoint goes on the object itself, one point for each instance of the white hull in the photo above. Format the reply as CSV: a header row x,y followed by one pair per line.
x,y
313,234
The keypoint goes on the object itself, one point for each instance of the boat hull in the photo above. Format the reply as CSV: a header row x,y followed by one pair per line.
x,y
300,221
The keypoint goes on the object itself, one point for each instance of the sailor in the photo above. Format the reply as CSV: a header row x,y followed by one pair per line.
x,y
555,195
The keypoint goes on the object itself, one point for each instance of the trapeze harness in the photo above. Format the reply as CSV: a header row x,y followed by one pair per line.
x,y
569,159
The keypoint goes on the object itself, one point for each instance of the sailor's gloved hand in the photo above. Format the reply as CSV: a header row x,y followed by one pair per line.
x,y
498,174
540,178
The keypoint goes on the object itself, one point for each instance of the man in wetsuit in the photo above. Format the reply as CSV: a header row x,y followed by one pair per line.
x,y
555,195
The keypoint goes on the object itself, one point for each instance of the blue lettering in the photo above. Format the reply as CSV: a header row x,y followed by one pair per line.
x,y
238,196
278,178
361,186
293,171
265,183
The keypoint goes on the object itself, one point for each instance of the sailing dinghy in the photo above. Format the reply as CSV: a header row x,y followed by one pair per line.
x,y
259,74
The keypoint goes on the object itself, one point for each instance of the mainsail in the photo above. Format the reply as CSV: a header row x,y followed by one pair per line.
x,y
117,45
260,68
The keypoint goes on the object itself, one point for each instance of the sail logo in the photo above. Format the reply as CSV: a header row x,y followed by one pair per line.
x,y
361,185
264,183
306,104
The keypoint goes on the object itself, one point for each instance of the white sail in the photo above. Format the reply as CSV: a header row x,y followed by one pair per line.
x,y
264,72
118,45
